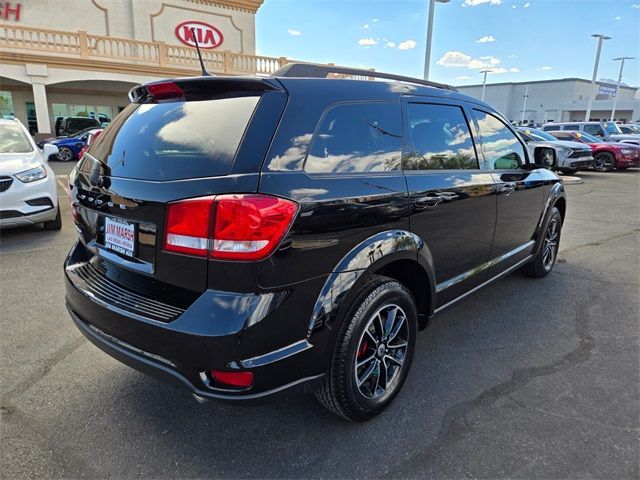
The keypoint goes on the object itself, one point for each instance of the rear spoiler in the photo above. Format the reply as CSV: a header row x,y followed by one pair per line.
x,y
200,88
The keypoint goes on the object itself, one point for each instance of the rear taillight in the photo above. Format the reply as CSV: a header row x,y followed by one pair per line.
x,y
233,379
230,227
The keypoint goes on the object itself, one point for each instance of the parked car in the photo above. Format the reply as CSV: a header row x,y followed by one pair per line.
x,y
571,156
68,126
608,131
28,190
91,137
69,147
194,262
630,129
607,155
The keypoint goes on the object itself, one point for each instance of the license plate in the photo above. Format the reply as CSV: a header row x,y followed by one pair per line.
x,y
120,236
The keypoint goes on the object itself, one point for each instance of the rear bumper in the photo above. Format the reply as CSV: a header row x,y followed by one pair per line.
x,y
204,336
164,371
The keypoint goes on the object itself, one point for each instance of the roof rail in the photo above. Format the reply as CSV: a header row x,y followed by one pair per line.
x,y
313,70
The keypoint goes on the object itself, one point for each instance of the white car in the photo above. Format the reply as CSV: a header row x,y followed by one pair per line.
x,y
28,192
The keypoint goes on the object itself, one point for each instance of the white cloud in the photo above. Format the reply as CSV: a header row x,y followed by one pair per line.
x,y
484,62
464,77
546,67
374,20
454,59
475,3
526,5
514,70
366,25
294,33
635,5
367,42
618,18
512,56
407,45
486,39
390,45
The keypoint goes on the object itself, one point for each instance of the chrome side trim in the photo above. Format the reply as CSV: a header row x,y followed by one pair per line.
x,y
474,271
500,275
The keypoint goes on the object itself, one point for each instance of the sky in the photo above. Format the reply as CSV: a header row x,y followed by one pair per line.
x,y
521,40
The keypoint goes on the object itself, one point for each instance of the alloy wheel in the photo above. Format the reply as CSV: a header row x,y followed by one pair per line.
x,y
381,351
550,247
65,154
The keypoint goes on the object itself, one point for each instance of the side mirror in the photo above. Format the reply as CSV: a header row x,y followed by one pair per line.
x,y
545,157
48,150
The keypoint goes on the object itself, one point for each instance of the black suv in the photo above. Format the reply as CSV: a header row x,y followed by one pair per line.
x,y
247,237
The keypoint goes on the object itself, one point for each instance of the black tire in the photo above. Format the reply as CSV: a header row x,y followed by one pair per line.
x,y
568,171
604,162
65,154
340,392
541,265
55,224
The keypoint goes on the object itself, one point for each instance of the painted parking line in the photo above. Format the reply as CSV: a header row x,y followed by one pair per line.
x,y
63,184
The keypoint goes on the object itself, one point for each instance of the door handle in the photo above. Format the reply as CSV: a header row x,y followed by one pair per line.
x,y
506,189
429,200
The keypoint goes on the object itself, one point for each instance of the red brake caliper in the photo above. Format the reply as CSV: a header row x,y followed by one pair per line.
x,y
362,349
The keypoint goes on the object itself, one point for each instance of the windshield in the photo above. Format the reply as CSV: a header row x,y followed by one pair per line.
x,y
13,139
83,132
632,128
539,135
611,127
587,137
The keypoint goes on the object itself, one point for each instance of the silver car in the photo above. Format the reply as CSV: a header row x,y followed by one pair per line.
x,y
608,131
570,156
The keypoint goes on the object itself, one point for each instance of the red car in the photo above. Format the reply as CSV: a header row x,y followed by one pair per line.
x,y
607,155
90,139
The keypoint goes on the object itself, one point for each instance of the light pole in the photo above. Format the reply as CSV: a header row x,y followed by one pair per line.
x,y
484,81
615,99
524,103
427,53
600,38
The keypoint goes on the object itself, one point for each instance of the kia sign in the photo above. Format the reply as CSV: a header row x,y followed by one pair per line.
x,y
207,35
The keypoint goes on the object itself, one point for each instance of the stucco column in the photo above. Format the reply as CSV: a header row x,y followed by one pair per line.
x,y
42,109
38,75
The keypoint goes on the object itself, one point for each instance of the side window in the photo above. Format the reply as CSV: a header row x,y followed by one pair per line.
x,y
437,137
594,130
573,128
357,137
502,149
550,128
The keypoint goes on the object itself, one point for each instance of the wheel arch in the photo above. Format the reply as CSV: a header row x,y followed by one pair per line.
x,y
398,254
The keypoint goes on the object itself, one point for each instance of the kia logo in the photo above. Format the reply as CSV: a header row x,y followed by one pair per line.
x,y
207,35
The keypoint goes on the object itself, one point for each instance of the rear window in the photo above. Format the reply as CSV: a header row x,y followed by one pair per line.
x,y
78,124
175,140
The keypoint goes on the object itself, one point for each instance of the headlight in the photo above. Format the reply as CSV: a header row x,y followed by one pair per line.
x,y
31,175
627,151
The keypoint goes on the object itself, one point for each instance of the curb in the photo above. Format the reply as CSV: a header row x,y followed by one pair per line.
x,y
570,180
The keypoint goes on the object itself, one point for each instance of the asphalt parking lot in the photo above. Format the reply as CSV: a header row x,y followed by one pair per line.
x,y
525,379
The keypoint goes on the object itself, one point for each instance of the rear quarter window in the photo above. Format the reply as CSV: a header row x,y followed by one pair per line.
x,y
175,140
357,137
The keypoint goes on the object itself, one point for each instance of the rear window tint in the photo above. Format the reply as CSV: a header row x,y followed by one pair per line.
x,y
175,140
357,137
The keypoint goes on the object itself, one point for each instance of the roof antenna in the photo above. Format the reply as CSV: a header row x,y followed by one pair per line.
x,y
195,39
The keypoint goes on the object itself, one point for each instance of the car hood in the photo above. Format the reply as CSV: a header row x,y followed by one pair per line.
x,y
561,143
12,163
614,145
625,136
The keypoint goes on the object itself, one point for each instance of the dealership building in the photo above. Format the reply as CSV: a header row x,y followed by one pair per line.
x,y
562,100
81,57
